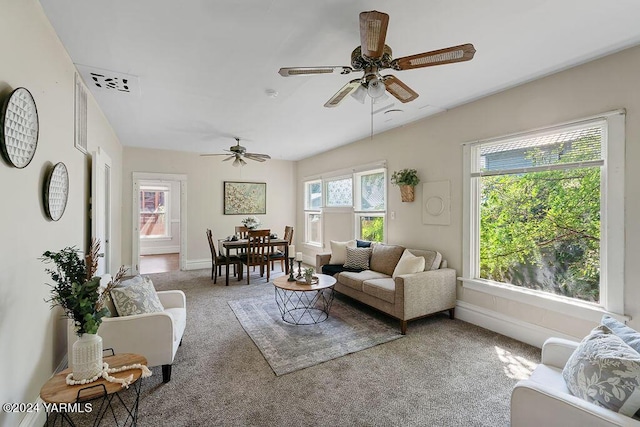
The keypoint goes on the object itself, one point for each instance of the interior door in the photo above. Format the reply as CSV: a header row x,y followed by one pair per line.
x,y
101,207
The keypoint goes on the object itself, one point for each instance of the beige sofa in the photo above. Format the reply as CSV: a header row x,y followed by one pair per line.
x,y
408,296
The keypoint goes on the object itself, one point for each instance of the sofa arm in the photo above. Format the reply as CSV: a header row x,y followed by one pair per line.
x,y
534,404
172,299
557,351
426,292
322,259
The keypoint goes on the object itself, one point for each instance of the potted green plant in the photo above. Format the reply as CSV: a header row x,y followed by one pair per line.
x,y
406,179
251,222
308,274
77,291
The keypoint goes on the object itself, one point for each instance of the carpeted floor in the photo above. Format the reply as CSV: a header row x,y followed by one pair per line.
x,y
442,373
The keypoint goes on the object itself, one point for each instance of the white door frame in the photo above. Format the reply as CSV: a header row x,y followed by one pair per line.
x,y
135,233
101,207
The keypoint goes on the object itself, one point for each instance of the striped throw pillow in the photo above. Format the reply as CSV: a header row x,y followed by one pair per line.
x,y
358,258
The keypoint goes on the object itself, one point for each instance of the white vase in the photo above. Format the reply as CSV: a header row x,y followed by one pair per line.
x,y
86,360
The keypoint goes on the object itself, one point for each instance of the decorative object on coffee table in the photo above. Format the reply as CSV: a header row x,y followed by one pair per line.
x,y
19,128
77,292
406,179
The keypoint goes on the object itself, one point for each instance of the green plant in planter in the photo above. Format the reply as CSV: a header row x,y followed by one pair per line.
x,y
76,289
405,177
308,274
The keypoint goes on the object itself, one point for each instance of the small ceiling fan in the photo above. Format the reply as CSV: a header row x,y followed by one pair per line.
x,y
239,153
372,56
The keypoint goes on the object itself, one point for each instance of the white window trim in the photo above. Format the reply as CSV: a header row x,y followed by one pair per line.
x,y
612,234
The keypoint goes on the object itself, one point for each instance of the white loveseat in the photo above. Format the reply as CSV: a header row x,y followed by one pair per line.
x,y
156,336
545,400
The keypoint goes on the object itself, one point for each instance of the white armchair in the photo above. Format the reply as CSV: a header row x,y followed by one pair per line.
x,y
545,400
156,336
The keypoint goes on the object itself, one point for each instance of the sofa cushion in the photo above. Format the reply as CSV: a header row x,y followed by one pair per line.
x,y
384,258
358,258
630,336
385,289
333,269
136,297
354,280
605,371
432,259
339,251
363,243
408,264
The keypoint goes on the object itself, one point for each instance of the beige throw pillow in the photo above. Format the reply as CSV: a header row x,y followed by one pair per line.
x,y
408,264
138,297
339,251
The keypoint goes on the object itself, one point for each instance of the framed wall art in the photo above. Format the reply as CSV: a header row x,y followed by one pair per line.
x,y
245,198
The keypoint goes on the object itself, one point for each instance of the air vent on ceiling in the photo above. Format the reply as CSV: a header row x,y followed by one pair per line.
x,y
109,81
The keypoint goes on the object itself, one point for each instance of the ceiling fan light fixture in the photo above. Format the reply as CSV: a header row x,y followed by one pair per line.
x,y
381,98
375,88
360,94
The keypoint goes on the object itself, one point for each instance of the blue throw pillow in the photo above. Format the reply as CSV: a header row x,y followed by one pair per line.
x,y
630,336
363,244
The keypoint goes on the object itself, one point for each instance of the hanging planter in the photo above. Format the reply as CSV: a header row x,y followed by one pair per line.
x,y
406,179
407,193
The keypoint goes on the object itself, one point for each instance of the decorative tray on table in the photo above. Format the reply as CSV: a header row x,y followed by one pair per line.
x,y
314,281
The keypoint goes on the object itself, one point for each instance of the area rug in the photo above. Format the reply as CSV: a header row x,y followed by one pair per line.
x,y
288,348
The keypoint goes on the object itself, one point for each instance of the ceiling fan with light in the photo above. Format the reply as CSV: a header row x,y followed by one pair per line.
x,y
372,56
239,153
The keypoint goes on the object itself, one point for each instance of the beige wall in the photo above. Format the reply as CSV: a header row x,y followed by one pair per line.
x,y
433,147
32,337
205,177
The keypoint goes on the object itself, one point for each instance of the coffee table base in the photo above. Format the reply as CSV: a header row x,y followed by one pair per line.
x,y
304,307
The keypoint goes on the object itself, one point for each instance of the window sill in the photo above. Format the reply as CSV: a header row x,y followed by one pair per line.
x,y
582,310
313,245
156,238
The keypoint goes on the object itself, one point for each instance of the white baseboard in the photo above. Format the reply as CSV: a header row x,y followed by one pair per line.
x,y
198,264
159,250
506,325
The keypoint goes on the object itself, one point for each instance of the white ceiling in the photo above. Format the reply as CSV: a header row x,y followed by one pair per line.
x,y
200,70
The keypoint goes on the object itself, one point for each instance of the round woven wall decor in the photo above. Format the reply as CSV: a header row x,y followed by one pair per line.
x,y
19,128
56,191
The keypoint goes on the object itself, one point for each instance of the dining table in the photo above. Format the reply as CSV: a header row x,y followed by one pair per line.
x,y
225,246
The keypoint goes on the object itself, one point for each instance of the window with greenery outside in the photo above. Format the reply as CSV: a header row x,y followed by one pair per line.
x,y
541,230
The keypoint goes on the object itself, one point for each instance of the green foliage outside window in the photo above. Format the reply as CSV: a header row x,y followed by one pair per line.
x,y
372,228
541,230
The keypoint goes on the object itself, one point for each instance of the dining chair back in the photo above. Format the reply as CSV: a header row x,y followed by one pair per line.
x,y
257,252
218,260
242,232
278,254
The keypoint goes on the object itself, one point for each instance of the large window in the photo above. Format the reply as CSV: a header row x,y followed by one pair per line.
x,y
544,211
313,213
363,192
154,211
370,205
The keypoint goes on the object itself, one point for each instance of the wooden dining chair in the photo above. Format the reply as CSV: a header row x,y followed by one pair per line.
x,y
278,253
218,260
242,232
257,252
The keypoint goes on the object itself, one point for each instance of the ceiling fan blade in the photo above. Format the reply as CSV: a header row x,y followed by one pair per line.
x,y
464,52
398,89
208,155
229,158
373,32
258,157
305,71
342,93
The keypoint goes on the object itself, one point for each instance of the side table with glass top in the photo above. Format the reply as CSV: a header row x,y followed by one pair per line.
x,y
56,393
302,303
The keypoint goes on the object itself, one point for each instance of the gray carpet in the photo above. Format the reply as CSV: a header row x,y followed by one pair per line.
x,y
288,348
442,373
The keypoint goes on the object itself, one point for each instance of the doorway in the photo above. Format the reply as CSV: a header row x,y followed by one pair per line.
x,y
158,225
